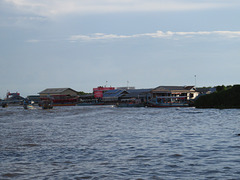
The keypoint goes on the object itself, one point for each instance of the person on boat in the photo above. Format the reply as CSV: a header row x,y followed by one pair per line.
x,y
25,104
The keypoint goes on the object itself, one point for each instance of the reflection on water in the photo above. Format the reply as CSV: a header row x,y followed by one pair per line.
x,y
119,143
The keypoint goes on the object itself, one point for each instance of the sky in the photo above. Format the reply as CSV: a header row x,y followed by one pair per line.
x,y
142,43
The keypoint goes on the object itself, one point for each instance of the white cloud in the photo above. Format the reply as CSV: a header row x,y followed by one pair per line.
x,y
98,36
158,34
230,34
59,7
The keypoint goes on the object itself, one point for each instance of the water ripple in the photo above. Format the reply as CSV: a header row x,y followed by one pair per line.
x,y
119,143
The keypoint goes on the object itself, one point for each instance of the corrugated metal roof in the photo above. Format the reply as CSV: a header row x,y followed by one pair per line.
x,y
125,93
173,88
55,90
113,93
138,90
137,93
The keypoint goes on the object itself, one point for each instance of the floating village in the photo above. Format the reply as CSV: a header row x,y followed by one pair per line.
x,y
161,96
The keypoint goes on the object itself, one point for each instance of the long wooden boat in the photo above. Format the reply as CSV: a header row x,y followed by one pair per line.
x,y
90,104
168,101
130,105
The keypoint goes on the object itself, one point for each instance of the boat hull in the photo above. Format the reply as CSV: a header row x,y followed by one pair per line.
x,y
168,105
64,104
90,104
130,105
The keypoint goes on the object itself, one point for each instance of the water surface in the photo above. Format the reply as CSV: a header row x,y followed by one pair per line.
x,y
105,142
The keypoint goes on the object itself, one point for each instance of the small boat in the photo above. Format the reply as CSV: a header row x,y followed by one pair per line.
x,y
169,101
4,104
29,106
46,104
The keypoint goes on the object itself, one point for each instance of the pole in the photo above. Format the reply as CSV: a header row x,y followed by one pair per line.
x,y
195,80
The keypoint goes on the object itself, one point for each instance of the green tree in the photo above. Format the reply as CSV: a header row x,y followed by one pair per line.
x,y
224,97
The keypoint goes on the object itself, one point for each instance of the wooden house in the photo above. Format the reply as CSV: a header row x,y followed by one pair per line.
x,y
58,91
187,91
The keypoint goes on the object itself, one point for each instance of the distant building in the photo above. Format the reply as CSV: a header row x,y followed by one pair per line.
x,y
188,91
126,94
60,96
141,94
113,95
58,91
99,91
14,98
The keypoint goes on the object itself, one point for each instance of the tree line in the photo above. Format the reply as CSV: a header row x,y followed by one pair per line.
x,y
224,97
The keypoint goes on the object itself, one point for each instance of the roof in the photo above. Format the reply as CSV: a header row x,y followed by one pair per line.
x,y
114,93
125,93
138,90
55,90
173,88
16,98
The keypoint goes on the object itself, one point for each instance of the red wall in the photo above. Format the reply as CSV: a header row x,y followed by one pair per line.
x,y
98,92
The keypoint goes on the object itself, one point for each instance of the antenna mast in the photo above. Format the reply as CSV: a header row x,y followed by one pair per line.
x,y
195,76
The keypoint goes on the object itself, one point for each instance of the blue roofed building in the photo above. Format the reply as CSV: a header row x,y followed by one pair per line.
x,y
113,95
141,94
118,95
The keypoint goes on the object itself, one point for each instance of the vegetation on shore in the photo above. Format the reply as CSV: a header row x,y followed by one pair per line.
x,y
224,97
83,93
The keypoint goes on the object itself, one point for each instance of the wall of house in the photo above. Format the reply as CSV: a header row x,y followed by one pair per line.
x,y
98,92
192,95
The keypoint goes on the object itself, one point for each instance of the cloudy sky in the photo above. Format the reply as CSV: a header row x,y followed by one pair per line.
x,y
83,44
